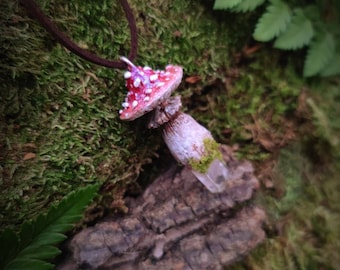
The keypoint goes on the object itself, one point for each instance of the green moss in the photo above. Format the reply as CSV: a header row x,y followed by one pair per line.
x,y
211,152
303,203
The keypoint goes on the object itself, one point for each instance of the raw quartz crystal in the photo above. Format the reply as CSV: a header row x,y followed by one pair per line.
x,y
214,177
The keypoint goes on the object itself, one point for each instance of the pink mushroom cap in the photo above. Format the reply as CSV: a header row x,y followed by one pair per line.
x,y
147,88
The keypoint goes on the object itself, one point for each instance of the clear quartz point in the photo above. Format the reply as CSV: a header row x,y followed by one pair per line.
x,y
215,177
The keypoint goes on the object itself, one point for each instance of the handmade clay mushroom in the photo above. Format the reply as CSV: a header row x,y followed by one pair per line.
x,y
190,143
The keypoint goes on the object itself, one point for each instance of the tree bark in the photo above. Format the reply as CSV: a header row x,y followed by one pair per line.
x,y
176,224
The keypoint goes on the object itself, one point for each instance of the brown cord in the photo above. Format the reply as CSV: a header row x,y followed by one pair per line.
x,y
38,14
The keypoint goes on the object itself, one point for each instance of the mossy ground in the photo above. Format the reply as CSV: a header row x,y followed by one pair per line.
x,y
60,127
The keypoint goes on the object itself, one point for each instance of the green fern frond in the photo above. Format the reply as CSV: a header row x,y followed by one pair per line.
x,y
226,4
9,245
320,53
333,67
322,123
33,246
273,22
298,33
247,5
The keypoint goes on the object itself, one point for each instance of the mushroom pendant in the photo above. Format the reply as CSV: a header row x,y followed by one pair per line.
x,y
190,143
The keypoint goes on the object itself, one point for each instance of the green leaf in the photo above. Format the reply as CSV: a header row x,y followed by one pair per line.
x,y
34,243
47,238
312,12
226,4
42,253
298,33
25,264
247,5
273,22
9,243
320,53
333,67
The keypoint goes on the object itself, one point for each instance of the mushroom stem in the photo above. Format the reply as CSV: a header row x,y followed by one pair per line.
x,y
193,145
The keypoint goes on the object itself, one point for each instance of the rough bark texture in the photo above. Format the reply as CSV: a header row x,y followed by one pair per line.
x,y
176,224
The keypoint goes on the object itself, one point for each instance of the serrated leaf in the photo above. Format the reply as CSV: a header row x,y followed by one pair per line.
x,y
273,22
320,53
9,243
333,67
48,238
46,252
36,238
298,33
25,264
247,5
226,4
312,12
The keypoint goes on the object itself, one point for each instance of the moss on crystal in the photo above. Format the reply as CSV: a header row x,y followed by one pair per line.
x,y
211,152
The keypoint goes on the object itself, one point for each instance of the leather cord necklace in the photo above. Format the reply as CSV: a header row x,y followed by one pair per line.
x,y
149,91
63,39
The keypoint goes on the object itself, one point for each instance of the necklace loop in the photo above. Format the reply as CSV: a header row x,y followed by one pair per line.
x,y
63,39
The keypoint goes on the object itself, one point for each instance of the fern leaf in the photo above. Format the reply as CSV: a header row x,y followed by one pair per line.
x,y
247,5
43,254
29,264
273,22
9,243
226,4
34,244
320,53
333,67
298,33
